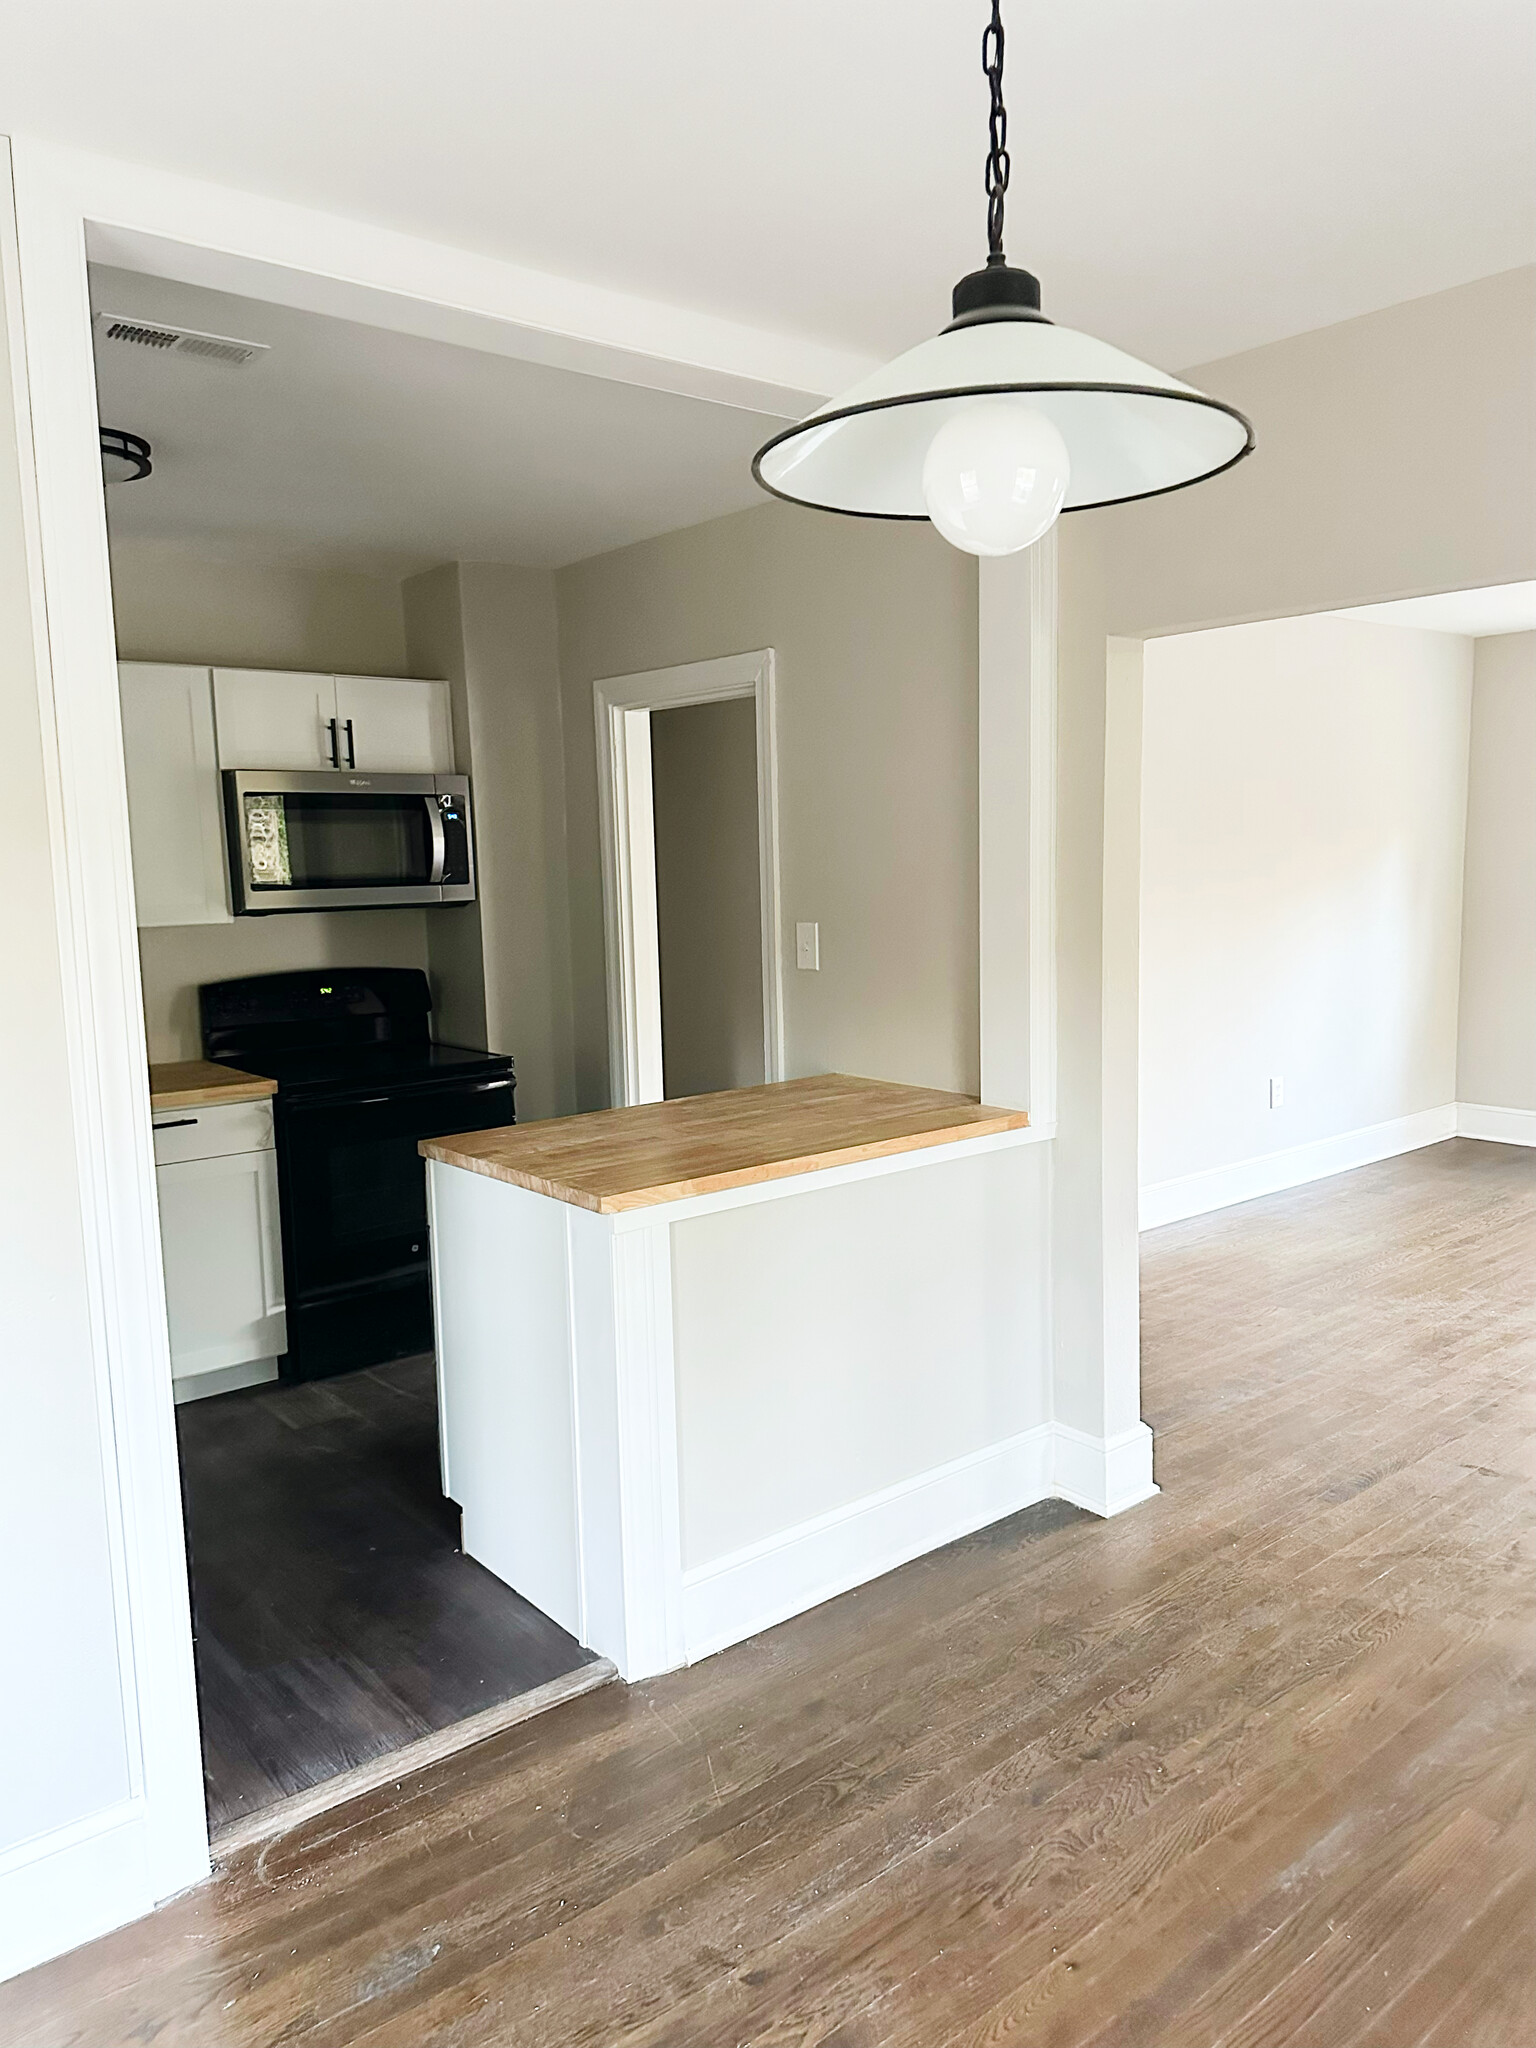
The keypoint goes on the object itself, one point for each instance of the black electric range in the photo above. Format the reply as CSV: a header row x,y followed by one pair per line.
x,y
360,1080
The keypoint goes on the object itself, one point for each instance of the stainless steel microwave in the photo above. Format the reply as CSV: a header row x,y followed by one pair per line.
x,y
323,840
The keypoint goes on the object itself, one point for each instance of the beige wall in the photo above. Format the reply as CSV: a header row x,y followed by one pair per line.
x,y
874,627
434,638
175,604
173,959
708,909
1303,813
1498,960
1396,456
492,630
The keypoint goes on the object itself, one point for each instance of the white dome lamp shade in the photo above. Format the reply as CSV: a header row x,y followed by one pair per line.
x,y
1004,420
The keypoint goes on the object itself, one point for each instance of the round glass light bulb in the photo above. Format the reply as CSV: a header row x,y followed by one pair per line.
x,y
995,476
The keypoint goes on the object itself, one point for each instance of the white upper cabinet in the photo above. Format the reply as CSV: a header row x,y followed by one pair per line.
x,y
271,718
393,726
174,823
387,725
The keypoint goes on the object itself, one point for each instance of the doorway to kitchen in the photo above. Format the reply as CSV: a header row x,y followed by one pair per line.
x,y
688,787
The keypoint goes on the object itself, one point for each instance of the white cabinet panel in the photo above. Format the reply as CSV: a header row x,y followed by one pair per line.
x,y
210,1132
223,1261
174,821
398,726
271,718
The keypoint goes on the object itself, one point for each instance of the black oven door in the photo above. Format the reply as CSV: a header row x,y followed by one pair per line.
x,y
355,1247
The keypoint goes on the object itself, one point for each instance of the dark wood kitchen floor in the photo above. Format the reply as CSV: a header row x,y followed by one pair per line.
x,y
336,1617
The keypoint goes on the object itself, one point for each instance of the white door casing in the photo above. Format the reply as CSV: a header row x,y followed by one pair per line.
x,y
622,706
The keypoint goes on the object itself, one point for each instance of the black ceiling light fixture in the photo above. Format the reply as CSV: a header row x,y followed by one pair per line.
x,y
1004,420
124,456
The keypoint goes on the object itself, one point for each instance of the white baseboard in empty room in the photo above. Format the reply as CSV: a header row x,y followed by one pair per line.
x,y
1196,1194
1499,1126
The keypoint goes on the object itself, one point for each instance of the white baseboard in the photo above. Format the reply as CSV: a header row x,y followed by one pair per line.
x,y
1500,1126
1105,1475
1196,1194
754,1588
736,1596
72,1884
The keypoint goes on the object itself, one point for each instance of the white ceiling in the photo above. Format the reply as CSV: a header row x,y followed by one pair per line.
x,y
1504,608
363,447
1191,178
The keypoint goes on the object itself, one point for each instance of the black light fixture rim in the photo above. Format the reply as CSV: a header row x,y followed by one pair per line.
x,y
848,412
128,447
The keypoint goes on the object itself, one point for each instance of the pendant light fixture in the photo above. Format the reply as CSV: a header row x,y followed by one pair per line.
x,y
996,425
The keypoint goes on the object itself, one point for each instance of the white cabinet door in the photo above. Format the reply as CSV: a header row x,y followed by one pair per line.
x,y
398,726
174,821
271,718
223,1261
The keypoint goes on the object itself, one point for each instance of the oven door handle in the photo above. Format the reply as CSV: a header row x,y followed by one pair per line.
x,y
439,839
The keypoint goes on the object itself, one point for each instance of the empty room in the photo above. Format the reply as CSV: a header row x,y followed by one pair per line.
x,y
769,1252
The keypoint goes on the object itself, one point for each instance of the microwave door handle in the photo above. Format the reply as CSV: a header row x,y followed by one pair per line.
x,y
439,839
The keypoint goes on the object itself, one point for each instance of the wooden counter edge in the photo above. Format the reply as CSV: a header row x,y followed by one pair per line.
x,y
240,1087
988,1124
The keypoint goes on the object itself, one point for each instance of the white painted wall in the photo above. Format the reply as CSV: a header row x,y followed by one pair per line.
x,y
835,1343
708,902
1303,813
1497,1063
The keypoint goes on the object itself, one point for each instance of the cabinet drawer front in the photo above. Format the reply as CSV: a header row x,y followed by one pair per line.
x,y
210,1133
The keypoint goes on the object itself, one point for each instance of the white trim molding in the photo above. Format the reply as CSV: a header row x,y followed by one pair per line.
x,y
733,1597
1496,1126
764,1583
622,707
1219,1187
1016,720
66,1887
1104,1474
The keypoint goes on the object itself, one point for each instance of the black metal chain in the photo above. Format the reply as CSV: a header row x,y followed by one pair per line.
x,y
997,156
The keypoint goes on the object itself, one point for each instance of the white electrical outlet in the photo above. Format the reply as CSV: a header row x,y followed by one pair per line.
x,y
1277,1091
808,946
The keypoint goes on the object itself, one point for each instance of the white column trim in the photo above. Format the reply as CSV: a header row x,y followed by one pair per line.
x,y
1016,800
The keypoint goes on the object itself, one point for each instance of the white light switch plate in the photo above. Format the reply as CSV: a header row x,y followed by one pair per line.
x,y
1277,1091
808,946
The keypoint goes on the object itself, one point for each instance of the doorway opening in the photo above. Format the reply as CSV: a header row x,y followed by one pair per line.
x,y
687,776
345,800
1338,894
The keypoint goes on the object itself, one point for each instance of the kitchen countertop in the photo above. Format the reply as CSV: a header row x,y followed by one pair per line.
x,y
200,1084
620,1159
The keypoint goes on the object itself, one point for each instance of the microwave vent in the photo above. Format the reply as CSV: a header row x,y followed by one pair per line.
x,y
183,341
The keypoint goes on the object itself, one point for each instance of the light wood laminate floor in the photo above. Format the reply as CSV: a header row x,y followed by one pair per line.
x,y
1249,1766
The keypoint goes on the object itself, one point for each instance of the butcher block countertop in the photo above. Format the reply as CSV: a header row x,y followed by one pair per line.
x,y
619,1159
199,1084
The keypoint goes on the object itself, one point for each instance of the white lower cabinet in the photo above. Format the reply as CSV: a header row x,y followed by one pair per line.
x,y
222,1246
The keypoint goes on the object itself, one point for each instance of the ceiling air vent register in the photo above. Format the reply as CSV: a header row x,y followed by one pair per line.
x,y
181,341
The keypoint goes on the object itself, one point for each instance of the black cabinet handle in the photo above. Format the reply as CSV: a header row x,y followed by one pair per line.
x,y
351,746
176,1123
330,726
